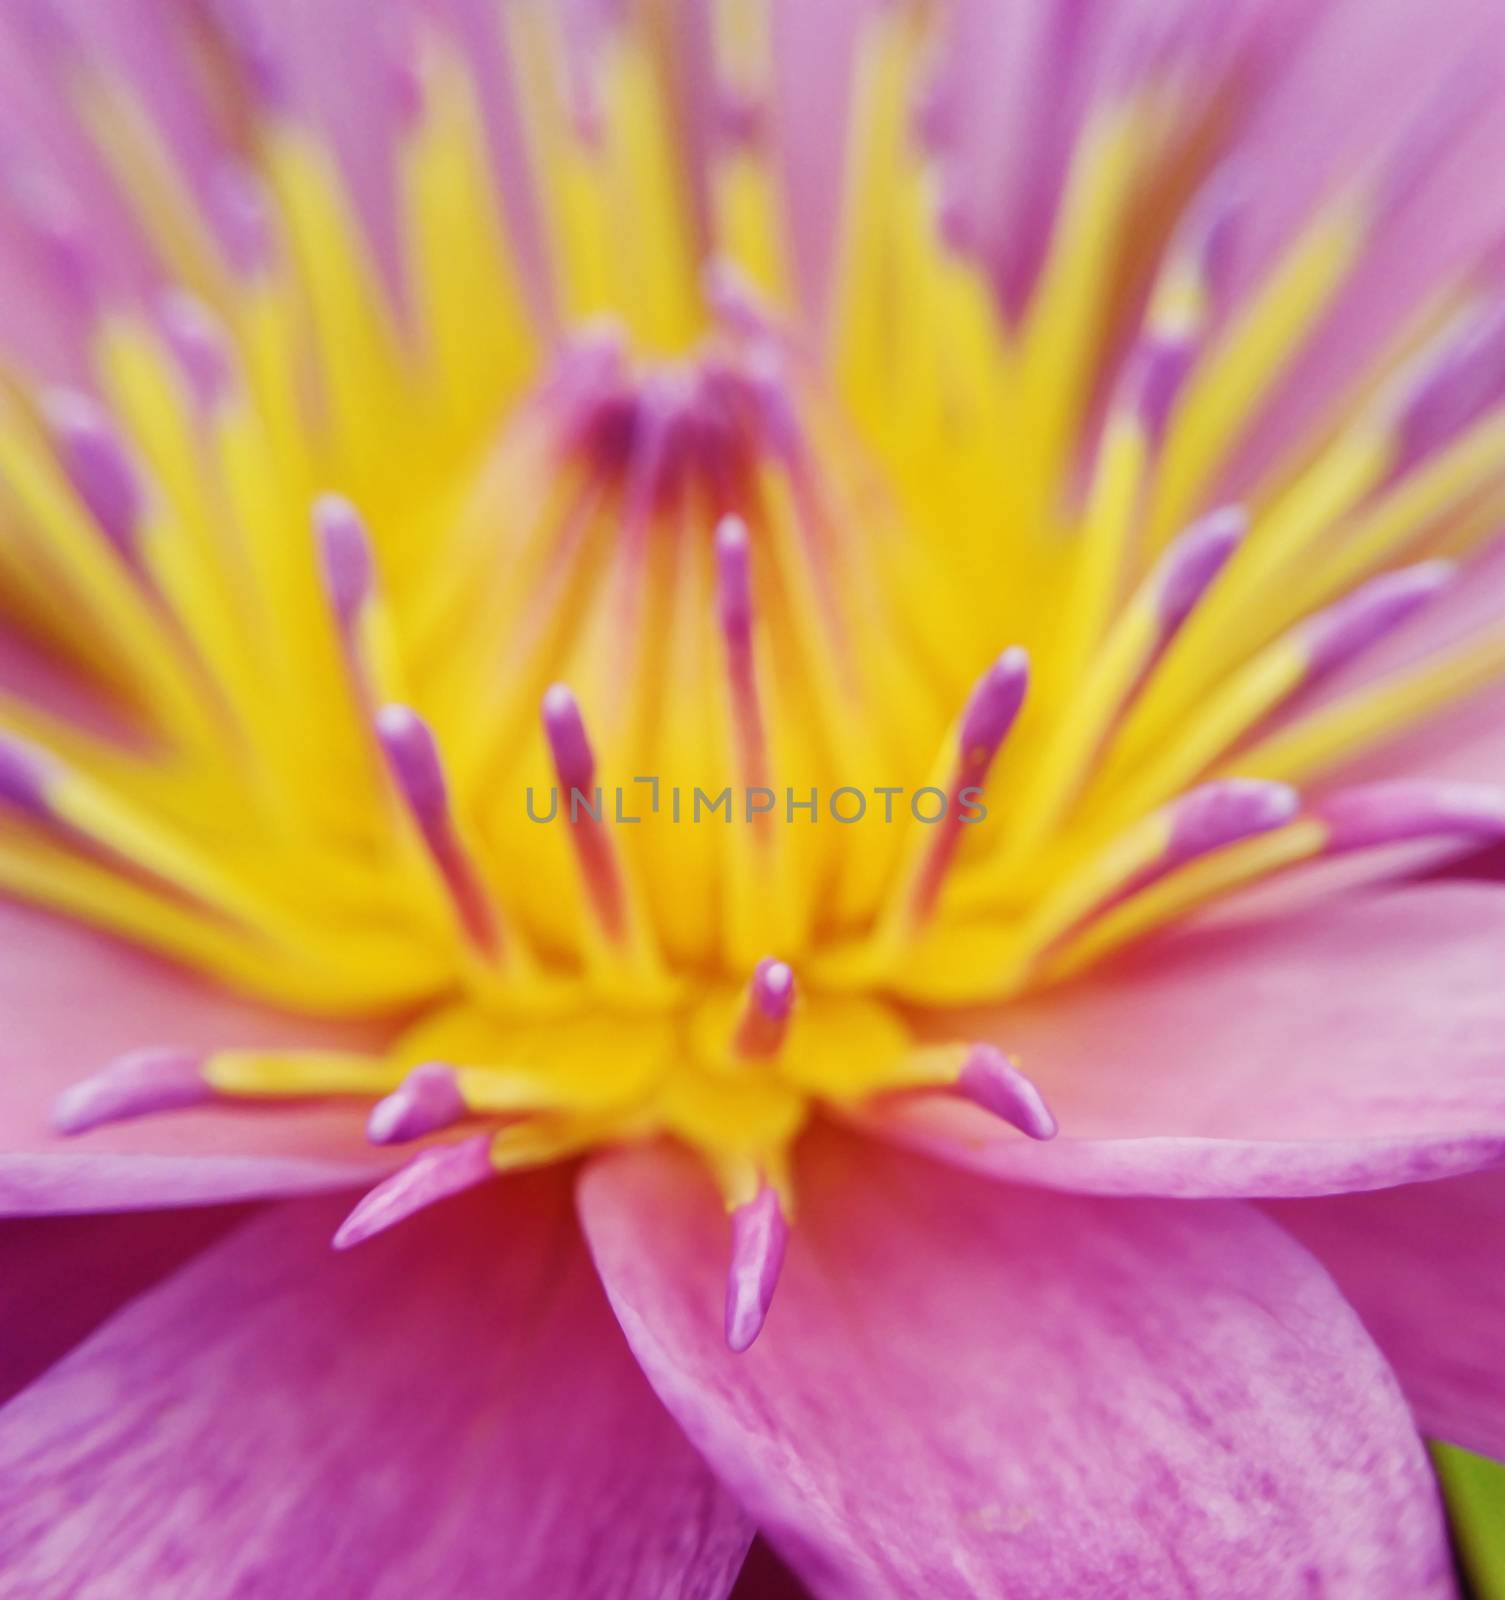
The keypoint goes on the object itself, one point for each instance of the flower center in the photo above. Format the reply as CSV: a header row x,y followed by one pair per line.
x,y
689,687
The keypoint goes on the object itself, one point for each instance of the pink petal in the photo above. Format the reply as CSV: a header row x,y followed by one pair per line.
x,y
449,1411
72,1001
1352,1045
60,1277
1356,82
975,1390
1421,1265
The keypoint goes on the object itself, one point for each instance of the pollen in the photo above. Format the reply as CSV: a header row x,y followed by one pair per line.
x,y
658,697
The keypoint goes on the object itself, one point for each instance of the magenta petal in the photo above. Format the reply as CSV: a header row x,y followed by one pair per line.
x,y
449,1411
60,1277
973,1389
1421,1265
72,1002
1352,1045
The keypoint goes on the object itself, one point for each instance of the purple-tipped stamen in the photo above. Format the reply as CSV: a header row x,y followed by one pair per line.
x,y
1210,235
741,118
412,756
71,262
1193,561
994,704
402,44
431,1175
569,745
1157,374
427,1101
589,371
198,344
1453,387
99,466
24,777
733,581
767,1006
1222,813
989,1079
990,714
1371,612
767,386
242,217
575,768
734,302
660,411
734,610
345,561
760,1235
249,34
137,1085
1376,814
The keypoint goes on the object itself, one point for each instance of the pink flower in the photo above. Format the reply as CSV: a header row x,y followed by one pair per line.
x,y
794,709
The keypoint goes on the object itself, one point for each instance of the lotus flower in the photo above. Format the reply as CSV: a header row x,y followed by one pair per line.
x,y
793,709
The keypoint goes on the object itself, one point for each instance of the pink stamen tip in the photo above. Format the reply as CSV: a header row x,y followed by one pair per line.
x,y
345,559
24,776
426,1101
1375,814
1223,812
199,345
1157,375
242,218
431,1175
769,1003
742,118
955,223
734,301
249,35
1370,613
72,265
1193,561
1212,230
96,460
590,365
564,728
994,705
1453,388
137,1085
760,1235
773,988
412,755
733,577
935,114
402,55
989,1079
769,389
